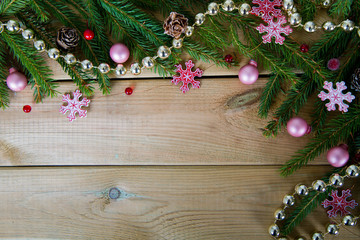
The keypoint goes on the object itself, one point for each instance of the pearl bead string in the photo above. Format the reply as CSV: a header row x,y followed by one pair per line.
x,y
135,68
296,20
335,180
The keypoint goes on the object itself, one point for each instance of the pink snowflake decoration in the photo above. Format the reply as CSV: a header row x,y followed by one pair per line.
x,y
274,30
336,96
339,204
187,76
74,105
266,9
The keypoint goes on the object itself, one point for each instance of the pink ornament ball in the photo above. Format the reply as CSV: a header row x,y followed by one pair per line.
x,y
119,53
338,156
16,81
333,64
249,73
298,127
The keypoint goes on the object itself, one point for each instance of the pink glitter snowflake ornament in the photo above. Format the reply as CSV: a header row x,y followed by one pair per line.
x,y
187,76
266,9
274,29
336,96
339,204
74,105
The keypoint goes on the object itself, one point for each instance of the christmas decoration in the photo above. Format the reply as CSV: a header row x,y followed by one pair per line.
x,y
128,91
339,204
249,73
74,105
67,38
298,127
335,96
175,25
119,53
88,34
274,29
338,156
27,108
355,80
266,9
187,76
16,81
333,64
304,48
229,58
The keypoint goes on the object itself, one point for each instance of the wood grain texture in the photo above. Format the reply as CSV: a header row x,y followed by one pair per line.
x,y
157,125
156,202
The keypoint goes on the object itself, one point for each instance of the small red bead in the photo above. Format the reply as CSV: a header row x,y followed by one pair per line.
x,y
27,108
304,48
128,91
88,34
229,58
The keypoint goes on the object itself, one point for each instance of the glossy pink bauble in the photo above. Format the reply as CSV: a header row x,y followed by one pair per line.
x,y
16,81
249,73
298,127
119,53
338,156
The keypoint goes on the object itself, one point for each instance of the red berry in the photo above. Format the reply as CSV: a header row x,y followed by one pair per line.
x,y
333,64
27,108
229,58
88,34
304,48
128,91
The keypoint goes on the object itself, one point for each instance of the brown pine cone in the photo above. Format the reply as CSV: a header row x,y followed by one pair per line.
x,y
355,80
67,38
175,25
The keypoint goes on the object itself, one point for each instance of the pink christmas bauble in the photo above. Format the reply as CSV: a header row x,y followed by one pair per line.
x,y
338,156
119,53
249,73
298,127
16,81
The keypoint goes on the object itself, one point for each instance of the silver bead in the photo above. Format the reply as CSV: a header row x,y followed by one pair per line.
x,y
319,186
358,32
294,10
274,230
336,180
347,25
300,238
54,53
12,26
326,3
349,220
352,170
148,62
310,26
328,26
301,190
104,68
288,4
317,236
283,238
28,34
332,229
244,9
39,45
120,70
1,27
213,8
189,31
199,19
228,5
87,65
70,58
135,68
279,214
163,52
177,43
295,19
289,200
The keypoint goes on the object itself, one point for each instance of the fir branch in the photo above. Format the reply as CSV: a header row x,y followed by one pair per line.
x,y
9,7
319,116
212,34
4,94
341,9
39,9
239,46
270,91
340,129
4,91
307,9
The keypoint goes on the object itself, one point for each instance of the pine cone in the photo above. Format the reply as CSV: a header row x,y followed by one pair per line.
x,y
175,25
355,80
67,38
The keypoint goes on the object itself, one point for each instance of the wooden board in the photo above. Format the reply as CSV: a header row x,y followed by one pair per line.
x,y
156,202
157,125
